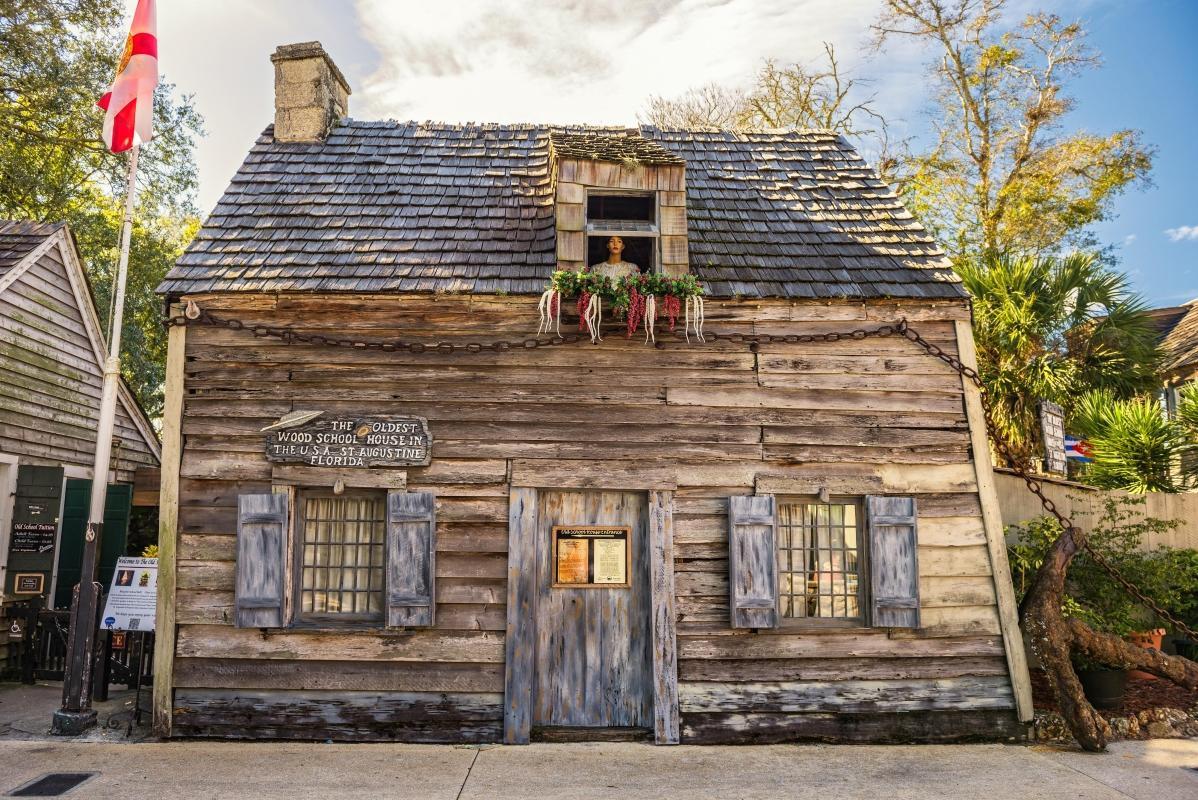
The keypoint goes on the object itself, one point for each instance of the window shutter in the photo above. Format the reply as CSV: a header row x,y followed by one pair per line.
x,y
752,562
894,562
411,559
261,554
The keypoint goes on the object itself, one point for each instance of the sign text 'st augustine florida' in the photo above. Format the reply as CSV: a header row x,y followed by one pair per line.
x,y
352,442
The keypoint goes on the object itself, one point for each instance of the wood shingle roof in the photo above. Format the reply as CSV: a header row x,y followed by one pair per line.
x,y
430,207
1178,327
18,239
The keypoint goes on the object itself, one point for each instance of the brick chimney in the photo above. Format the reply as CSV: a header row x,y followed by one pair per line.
x,y
311,94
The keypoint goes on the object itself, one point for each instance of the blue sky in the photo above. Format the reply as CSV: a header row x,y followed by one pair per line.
x,y
599,60
1149,81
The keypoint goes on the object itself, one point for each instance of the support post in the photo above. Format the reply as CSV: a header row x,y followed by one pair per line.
x,y
1000,567
521,639
76,714
665,637
168,528
30,654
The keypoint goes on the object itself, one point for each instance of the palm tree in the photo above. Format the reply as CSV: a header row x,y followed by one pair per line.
x,y
1054,328
1136,447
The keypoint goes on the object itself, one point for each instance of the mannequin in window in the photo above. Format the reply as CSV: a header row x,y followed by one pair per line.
x,y
615,267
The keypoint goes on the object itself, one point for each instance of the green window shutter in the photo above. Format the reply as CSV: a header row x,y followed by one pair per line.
x,y
893,562
261,553
118,505
113,541
753,562
411,559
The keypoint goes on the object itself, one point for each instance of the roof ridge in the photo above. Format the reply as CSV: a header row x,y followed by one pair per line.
x,y
612,127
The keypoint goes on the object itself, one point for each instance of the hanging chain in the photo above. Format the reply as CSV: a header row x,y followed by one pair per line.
x,y
1037,488
288,335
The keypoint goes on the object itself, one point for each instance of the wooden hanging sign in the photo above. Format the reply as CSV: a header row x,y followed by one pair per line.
x,y
318,440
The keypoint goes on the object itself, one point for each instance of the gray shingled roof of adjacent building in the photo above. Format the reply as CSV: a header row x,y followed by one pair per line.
x,y
429,207
19,239
1177,328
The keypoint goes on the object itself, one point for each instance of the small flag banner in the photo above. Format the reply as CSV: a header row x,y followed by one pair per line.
x,y
1078,449
129,105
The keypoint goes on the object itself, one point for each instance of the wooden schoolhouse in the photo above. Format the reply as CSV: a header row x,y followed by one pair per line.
x,y
52,353
406,498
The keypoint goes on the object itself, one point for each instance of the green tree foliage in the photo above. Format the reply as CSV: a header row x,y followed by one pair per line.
x,y
1138,448
57,57
1169,577
1052,329
1002,173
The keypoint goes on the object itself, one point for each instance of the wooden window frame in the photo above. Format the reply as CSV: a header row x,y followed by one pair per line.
x,y
863,567
340,620
600,230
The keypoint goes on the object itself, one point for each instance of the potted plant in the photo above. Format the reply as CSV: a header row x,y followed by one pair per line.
x,y
1149,640
1091,594
1104,686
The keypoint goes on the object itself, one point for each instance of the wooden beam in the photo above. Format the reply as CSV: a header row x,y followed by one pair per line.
x,y
168,528
1008,614
665,639
521,638
593,474
303,475
146,483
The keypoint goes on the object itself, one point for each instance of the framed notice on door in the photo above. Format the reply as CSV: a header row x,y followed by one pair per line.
x,y
591,556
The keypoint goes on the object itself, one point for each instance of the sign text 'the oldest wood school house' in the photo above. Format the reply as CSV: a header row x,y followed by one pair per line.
x,y
490,433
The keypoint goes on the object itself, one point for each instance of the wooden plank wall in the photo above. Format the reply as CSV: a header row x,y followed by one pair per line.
x,y
705,421
49,379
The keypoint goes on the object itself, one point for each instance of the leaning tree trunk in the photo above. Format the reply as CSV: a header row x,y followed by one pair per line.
x,y
1054,638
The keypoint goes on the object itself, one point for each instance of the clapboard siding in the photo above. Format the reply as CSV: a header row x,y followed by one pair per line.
x,y
340,715
702,421
943,725
50,379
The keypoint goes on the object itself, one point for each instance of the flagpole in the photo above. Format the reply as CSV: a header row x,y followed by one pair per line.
x,y
77,714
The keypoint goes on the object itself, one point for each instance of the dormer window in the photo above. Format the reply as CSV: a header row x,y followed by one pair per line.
x,y
632,217
613,182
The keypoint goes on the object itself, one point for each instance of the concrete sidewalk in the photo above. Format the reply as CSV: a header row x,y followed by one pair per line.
x,y
26,711
200,770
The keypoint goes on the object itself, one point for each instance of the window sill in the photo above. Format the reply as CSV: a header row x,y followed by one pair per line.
x,y
336,626
816,626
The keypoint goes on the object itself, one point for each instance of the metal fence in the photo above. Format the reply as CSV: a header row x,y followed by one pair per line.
x,y
41,652
1085,503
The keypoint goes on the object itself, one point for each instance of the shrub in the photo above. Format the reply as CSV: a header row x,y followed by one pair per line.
x,y
1168,577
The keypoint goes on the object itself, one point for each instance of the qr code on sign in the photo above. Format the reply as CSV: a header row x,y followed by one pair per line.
x,y
134,622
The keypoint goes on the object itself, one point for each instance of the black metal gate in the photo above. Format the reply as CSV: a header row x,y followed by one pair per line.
x,y
39,652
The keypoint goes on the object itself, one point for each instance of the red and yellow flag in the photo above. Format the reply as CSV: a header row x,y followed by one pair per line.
x,y
129,104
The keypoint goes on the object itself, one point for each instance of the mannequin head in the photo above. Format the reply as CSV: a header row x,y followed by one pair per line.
x,y
615,249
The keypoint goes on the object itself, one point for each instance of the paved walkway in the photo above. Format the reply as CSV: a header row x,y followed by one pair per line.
x,y
201,770
198,770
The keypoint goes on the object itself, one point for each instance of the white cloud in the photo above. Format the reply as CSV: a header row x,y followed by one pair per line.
x,y
1129,240
219,51
583,60
1183,233
512,60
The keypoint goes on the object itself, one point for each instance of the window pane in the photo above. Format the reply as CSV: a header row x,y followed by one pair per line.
x,y
343,540
818,560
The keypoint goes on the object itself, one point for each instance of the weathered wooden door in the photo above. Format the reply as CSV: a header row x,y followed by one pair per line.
x,y
593,659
